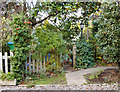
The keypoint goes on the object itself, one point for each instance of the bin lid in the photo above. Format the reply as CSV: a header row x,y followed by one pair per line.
x,y
9,42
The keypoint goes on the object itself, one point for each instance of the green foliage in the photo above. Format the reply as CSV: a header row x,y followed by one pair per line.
x,y
48,39
5,30
84,54
52,38
66,56
5,34
53,65
31,85
22,41
108,32
58,14
58,78
94,74
8,76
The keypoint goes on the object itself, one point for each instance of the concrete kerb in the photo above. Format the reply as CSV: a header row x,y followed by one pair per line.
x,y
43,85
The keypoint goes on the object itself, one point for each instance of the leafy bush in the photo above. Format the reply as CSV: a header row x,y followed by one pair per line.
x,y
22,42
8,76
108,32
84,54
53,65
47,39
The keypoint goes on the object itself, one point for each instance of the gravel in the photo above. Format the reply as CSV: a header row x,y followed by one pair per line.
x,y
64,87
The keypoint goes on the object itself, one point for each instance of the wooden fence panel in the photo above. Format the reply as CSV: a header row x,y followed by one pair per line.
x,y
31,65
34,65
37,65
40,64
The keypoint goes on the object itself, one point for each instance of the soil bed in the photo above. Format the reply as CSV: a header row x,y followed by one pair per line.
x,y
107,76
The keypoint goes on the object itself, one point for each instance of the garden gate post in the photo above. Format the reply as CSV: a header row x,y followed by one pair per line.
x,y
1,64
44,62
74,53
11,54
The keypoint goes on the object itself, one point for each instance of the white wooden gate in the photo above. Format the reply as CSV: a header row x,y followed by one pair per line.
x,y
5,57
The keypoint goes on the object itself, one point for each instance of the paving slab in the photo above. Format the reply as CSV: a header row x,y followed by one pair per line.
x,y
77,78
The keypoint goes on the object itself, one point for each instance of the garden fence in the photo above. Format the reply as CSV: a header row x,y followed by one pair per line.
x,y
32,65
5,64
36,65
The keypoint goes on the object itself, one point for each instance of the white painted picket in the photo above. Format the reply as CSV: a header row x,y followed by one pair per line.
x,y
34,65
5,57
31,65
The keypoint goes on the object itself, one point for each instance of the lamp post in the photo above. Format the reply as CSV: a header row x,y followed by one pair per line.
x,y
81,26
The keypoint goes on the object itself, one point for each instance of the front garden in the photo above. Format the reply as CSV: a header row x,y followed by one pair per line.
x,y
52,38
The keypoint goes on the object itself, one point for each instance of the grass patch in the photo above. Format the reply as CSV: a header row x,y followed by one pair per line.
x,y
59,79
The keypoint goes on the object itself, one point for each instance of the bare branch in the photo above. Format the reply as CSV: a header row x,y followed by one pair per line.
x,y
43,19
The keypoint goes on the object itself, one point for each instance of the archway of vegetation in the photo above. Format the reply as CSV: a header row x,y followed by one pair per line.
x,y
54,33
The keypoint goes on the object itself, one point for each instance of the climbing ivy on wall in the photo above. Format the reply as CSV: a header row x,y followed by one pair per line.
x,y
84,54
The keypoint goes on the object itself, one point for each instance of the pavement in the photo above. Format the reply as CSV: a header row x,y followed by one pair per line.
x,y
77,78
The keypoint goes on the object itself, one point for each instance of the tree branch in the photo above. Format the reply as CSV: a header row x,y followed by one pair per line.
x,y
33,24
56,26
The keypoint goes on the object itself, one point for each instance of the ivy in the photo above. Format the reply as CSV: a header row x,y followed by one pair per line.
x,y
84,54
108,32
22,41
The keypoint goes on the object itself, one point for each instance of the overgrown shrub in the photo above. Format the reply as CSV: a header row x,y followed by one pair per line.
x,y
22,41
8,76
108,32
84,54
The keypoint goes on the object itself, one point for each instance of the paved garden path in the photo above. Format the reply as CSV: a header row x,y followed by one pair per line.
x,y
77,78
74,80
